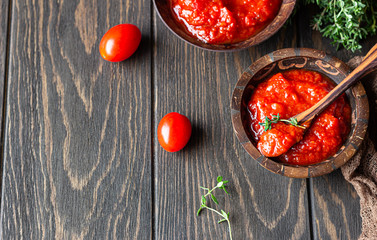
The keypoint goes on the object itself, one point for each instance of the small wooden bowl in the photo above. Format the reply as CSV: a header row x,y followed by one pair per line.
x,y
166,14
301,58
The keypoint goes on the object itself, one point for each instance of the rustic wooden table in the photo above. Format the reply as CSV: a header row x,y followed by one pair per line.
x,y
80,157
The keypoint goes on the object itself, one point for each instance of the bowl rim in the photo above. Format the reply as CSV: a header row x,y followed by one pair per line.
x,y
287,6
348,149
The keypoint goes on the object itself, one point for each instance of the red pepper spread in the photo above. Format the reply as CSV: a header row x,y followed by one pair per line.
x,y
290,93
225,21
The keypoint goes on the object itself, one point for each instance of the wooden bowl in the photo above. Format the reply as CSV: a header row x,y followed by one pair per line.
x,y
166,14
300,58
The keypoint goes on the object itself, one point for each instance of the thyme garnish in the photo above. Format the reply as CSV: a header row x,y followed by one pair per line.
x,y
346,22
222,213
267,124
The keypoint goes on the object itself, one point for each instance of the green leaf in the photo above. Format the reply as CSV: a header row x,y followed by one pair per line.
x,y
200,209
223,188
219,178
204,200
275,118
214,199
222,220
293,121
224,214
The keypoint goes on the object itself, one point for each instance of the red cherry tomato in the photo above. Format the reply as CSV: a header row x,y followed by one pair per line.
x,y
174,131
120,42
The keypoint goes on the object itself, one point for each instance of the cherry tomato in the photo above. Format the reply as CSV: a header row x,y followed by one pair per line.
x,y
120,42
174,131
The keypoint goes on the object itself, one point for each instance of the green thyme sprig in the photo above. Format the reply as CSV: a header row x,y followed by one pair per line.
x,y
346,22
267,124
222,213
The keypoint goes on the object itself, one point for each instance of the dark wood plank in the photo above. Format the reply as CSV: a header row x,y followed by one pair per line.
x,y
3,38
4,22
336,207
199,84
77,143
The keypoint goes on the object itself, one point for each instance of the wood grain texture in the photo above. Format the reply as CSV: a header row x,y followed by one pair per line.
x,y
3,38
336,212
4,8
336,207
199,84
77,142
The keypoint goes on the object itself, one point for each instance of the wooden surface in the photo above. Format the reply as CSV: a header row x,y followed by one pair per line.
x,y
81,159
77,154
200,86
4,22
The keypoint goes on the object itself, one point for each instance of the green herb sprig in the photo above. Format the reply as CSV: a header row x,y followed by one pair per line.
x,y
222,213
267,124
346,22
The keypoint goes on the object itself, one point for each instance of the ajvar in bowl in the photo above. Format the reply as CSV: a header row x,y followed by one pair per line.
x,y
290,62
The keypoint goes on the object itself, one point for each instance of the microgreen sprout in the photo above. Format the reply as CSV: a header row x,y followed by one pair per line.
x,y
267,124
222,213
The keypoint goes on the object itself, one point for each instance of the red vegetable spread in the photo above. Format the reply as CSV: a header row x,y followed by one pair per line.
x,y
290,93
225,21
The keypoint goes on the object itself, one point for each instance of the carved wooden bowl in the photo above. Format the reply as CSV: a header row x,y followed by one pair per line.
x,y
309,59
166,14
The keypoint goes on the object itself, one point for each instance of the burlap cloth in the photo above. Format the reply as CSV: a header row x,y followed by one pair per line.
x,y
361,170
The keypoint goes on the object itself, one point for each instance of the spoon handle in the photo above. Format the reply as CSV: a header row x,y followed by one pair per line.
x,y
369,63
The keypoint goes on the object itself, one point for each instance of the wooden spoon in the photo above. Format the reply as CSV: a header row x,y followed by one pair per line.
x,y
368,64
